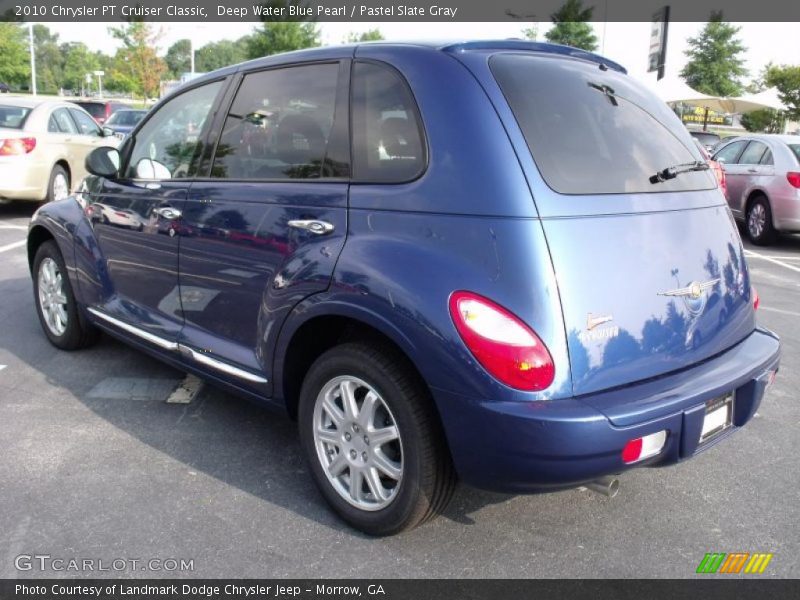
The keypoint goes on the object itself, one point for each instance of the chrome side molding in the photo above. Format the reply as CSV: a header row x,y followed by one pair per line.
x,y
186,351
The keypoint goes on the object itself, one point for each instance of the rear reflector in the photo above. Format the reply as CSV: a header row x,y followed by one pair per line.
x,y
793,178
15,146
756,299
643,447
506,347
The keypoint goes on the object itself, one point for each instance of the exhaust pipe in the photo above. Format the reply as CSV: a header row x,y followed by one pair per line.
x,y
608,486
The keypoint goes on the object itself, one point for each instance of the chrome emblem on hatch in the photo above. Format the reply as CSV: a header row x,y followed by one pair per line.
x,y
694,294
592,321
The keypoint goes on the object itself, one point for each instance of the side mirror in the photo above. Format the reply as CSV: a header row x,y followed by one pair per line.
x,y
721,161
108,132
103,162
147,168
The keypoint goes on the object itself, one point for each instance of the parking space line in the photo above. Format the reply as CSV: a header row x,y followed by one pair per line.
x,y
752,254
779,310
12,246
2,367
20,227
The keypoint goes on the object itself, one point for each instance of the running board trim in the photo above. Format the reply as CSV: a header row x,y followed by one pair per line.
x,y
186,351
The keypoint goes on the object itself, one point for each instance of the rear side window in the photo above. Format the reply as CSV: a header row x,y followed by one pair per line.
x,y
279,125
730,153
767,158
795,148
13,117
388,144
595,131
753,153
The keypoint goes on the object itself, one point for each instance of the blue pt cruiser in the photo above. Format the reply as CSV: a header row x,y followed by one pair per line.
x,y
499,262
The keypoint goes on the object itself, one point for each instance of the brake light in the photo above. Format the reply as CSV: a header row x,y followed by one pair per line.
x,y
507,348
793,178
644,447
16,146
756,299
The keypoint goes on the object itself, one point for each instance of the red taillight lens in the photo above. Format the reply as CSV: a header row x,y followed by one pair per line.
x,y
756,299
793,178
506,347
15,146
719,172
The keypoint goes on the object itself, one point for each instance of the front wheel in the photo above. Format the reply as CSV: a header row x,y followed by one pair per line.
x,y
759,222
55,302
373,439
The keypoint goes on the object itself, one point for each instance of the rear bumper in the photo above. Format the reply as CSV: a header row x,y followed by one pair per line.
x,y
23,180
537,446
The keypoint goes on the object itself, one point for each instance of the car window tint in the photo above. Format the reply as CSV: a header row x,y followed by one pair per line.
x,y
767,158
166,145
64,121
752,154
279,125
52,125
387,133
86,125
594,131
729,153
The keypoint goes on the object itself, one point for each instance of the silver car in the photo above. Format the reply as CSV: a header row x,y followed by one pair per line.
x,y
763,180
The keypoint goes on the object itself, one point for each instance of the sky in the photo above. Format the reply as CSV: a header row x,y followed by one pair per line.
x,y
625,43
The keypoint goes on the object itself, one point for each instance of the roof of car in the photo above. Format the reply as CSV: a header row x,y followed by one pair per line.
x,y
26,102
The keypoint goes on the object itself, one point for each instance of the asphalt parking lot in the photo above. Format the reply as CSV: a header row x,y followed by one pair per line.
x,y
95,464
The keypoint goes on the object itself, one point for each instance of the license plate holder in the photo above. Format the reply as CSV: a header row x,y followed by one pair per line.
x,y
717,418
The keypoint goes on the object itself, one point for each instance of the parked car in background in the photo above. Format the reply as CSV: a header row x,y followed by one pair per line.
x,y
536,287
707,138
763,183
719,173
100,110
121,122
4,88
43,147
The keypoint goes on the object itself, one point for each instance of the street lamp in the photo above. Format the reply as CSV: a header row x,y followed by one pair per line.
x,y
33,58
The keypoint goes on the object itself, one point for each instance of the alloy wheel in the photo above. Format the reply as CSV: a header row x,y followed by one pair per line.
x,y
52,299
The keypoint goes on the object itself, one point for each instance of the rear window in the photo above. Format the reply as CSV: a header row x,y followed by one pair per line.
x,y
595,131
796,149
13,117
709,139
96,109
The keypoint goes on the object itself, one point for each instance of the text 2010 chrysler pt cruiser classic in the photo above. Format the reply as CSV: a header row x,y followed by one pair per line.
x,y
502,262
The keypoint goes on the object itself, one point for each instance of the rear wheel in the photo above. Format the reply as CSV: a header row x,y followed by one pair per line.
x,y
55,302
373,440
759,222
58,187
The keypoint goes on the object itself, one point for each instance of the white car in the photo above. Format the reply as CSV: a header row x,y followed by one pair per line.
x,y
43,146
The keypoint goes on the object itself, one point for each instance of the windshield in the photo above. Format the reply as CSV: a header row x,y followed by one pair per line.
x,y
125,117
796,149
13,117
595,131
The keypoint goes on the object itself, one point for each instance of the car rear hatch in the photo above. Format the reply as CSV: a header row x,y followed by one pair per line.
x,y
649,264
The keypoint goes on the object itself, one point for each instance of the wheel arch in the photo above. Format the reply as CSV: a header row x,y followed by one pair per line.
x,y
38,235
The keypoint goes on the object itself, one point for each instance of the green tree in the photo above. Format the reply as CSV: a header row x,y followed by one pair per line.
x,y
786,78
766,121
137,66
49,60
571,27
78,61
220,54
715,64
15,66
275,37
371,35
179,58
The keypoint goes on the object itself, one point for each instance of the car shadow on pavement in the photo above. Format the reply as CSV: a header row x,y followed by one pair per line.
x,y
237,442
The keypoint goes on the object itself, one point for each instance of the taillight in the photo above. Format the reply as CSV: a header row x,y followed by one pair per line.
x,y
793,178
719,172
506,347
754,296
643,447
15,146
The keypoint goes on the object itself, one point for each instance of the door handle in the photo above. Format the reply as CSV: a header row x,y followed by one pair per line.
x,y
168,212
312,225
752,170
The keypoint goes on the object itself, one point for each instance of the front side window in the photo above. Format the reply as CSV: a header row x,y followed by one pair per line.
x,y
595,131
166,145
753,153
730,153
64,121
388,141
279,125
86,125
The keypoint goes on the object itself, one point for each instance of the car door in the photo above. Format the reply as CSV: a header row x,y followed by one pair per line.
x,y
89,137
264,229
756,164
62,133
735,174
135,217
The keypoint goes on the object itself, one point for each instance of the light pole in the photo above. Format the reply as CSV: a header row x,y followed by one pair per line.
x,y
99,75
33,59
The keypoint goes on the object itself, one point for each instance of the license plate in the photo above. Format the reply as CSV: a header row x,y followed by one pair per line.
x,y
718,417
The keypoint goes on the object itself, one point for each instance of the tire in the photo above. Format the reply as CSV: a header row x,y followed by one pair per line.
x,y
58,178
426,478
64,326
758,223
